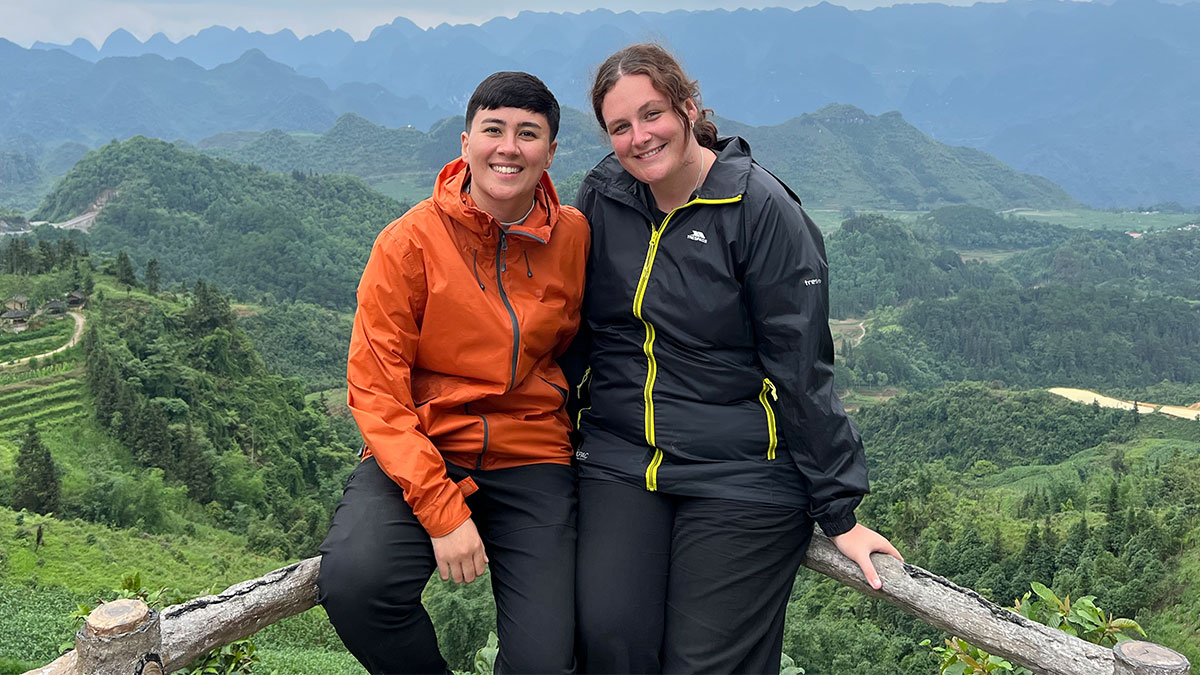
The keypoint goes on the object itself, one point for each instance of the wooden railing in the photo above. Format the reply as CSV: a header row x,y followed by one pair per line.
x,y
127,638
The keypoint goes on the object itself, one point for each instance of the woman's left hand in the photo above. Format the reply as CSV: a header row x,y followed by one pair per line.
x,y
859,543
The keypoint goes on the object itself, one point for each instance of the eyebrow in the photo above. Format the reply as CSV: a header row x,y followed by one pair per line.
x,y
497,120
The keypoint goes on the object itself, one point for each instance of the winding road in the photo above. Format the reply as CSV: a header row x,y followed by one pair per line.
x,y
79,324
1088,396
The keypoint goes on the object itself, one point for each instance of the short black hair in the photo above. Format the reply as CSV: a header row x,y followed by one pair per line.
x,y
513,89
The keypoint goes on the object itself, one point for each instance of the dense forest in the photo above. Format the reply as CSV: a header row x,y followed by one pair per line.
x,y
297,236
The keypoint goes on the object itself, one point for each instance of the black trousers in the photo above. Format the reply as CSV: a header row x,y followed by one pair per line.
x,y
669,584
377,558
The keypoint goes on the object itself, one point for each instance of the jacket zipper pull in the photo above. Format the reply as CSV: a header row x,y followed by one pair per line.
x,y
503,251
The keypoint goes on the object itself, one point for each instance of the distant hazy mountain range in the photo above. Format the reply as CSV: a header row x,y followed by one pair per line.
x,y
1099,98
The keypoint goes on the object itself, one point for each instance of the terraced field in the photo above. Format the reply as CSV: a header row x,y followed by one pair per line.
x,y
47,337
54,399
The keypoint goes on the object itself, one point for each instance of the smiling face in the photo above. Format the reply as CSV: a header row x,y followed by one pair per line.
x,y
507,149
647,135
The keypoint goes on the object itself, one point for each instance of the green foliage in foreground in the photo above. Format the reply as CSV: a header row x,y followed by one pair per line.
x,y
1081,619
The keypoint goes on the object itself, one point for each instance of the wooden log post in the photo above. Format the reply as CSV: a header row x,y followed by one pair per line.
x,y
963,612
122,637
202,624
197,626
1147,658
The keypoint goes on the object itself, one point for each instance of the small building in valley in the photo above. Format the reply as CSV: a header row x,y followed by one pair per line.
x,y
15,320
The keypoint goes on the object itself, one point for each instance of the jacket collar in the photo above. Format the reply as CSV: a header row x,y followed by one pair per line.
x,y
727,177
449,195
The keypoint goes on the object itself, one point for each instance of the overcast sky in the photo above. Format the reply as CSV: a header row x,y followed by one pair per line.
x,y
61,21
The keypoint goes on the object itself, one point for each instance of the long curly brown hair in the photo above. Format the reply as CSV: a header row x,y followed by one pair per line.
x,y
668,77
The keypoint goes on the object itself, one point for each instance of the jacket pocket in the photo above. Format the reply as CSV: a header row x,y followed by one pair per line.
x,y
561,392
765,397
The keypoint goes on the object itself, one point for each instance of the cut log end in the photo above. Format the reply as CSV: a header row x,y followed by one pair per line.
x,y
1146,658
118,617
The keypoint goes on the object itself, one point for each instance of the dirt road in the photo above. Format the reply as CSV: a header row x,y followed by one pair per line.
x,y
1086,396
79,323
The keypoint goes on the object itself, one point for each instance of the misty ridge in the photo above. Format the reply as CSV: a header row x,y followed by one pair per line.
x,y
1093,97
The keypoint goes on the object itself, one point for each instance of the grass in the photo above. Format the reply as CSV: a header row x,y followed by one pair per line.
x,y
79,561
987,255
47,337
53,400
1179,628
859,397
1126,221
409,188
830,220
9,379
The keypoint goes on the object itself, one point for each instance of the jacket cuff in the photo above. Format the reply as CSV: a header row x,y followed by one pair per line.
x,y
443,515
832,527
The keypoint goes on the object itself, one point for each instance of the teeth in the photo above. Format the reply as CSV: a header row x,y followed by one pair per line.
x,y
505,169
648,155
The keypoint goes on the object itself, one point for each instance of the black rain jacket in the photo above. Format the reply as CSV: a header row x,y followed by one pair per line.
x,y
710,370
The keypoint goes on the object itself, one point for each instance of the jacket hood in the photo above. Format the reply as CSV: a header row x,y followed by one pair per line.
x,y
450,196
727,177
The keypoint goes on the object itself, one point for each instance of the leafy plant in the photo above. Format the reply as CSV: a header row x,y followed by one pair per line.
x,y
961,658
235,657
485,658
1082,619
787,666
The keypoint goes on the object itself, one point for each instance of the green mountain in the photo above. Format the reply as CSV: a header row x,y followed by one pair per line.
x,y
837,156
842,156
297,236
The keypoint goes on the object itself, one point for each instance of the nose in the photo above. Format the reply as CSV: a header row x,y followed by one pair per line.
x,y
641,134
508,144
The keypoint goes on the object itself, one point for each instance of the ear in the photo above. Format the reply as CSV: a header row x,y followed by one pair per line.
x,y
693,113
464,146
550,157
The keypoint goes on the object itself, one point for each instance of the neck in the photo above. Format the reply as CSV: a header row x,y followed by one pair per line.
x,y
503,213
676,189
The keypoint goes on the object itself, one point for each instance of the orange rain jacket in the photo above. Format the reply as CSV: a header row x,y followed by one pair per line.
x,y
457,329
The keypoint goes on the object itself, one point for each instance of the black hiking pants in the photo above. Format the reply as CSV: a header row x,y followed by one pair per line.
x,y
377,559
670,584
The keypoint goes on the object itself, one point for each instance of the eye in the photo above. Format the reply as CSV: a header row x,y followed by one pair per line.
x,y
653,114
528,133
618,128
491,130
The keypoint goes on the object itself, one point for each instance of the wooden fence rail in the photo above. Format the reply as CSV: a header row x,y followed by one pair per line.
x,y
127,638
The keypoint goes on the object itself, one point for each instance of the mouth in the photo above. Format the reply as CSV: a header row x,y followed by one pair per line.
x,y
505,169
651,153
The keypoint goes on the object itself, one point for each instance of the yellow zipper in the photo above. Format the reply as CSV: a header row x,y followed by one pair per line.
x,y
585,381
769,388
648,345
